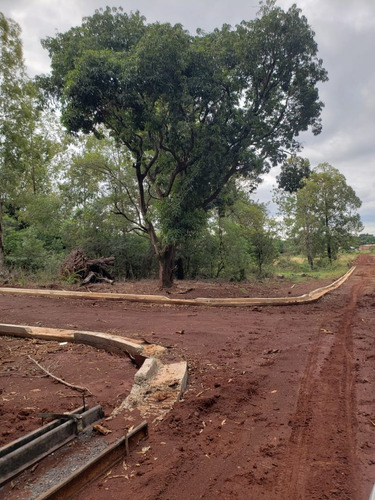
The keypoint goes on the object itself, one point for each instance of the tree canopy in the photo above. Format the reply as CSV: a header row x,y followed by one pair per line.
x,y
192,112
294,171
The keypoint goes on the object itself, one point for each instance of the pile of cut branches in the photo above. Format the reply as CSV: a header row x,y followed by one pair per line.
x,y
78,268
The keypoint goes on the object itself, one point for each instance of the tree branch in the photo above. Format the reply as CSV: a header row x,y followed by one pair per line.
x,y
233,170
75,387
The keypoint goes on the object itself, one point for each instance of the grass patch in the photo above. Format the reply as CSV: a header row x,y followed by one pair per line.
x,y
297,269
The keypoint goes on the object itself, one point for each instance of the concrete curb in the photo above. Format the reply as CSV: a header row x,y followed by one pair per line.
x,y
111,343
157,386
154,383
160,299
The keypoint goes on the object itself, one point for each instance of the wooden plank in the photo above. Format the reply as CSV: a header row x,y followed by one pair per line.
x,y
36,332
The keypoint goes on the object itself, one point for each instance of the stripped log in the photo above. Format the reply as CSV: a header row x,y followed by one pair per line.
x,y
160,299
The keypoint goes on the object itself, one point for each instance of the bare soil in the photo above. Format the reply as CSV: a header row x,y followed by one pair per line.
x,y
280,399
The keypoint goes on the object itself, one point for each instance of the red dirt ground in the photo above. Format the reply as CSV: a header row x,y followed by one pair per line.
x,y
280,399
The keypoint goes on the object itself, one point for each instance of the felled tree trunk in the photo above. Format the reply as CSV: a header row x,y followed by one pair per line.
x,y
77,267
98,270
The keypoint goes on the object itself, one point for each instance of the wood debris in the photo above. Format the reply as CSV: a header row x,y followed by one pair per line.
x,y
102,430
74,387
78,268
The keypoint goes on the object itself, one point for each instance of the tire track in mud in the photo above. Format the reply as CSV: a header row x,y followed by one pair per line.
x,y
322,459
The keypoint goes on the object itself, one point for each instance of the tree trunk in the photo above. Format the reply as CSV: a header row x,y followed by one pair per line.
x,y
329,251
165,256
310,261
166,259
2,255
310,258
308,244
328,239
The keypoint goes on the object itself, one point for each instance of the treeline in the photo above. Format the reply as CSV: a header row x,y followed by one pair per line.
x,y
84,208
168,137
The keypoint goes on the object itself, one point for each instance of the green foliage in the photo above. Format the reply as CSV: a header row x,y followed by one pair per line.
x,y
72,278
32,238
322,216
234,246
294,172
366,239
288,266
258,231
200,254
26,153
44,213
24,249
177,221
297,269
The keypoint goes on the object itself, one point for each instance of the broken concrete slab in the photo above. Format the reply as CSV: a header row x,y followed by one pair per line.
x,y
157,389
147,370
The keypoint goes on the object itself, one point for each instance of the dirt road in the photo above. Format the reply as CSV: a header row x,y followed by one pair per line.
x,y
280,401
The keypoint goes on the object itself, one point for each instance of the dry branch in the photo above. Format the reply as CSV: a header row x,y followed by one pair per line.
x,y
75,387
78,267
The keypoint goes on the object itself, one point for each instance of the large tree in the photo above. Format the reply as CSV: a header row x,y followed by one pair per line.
x,y
192,111
26,150
15,112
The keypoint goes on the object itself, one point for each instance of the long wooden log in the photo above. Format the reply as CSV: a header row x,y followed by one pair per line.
x,y
160,299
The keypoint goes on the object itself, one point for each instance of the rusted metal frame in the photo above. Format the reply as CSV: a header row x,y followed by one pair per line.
x,y
97,466
26,451
77,419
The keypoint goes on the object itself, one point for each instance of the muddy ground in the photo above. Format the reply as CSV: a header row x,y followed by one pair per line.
x,y
280,399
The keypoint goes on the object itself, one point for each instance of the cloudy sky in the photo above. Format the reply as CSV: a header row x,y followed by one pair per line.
x,y
345,33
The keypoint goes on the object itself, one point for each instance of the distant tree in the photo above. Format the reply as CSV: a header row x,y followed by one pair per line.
x,y
294,172
336,206
323,214
193,112
366,239
306,228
